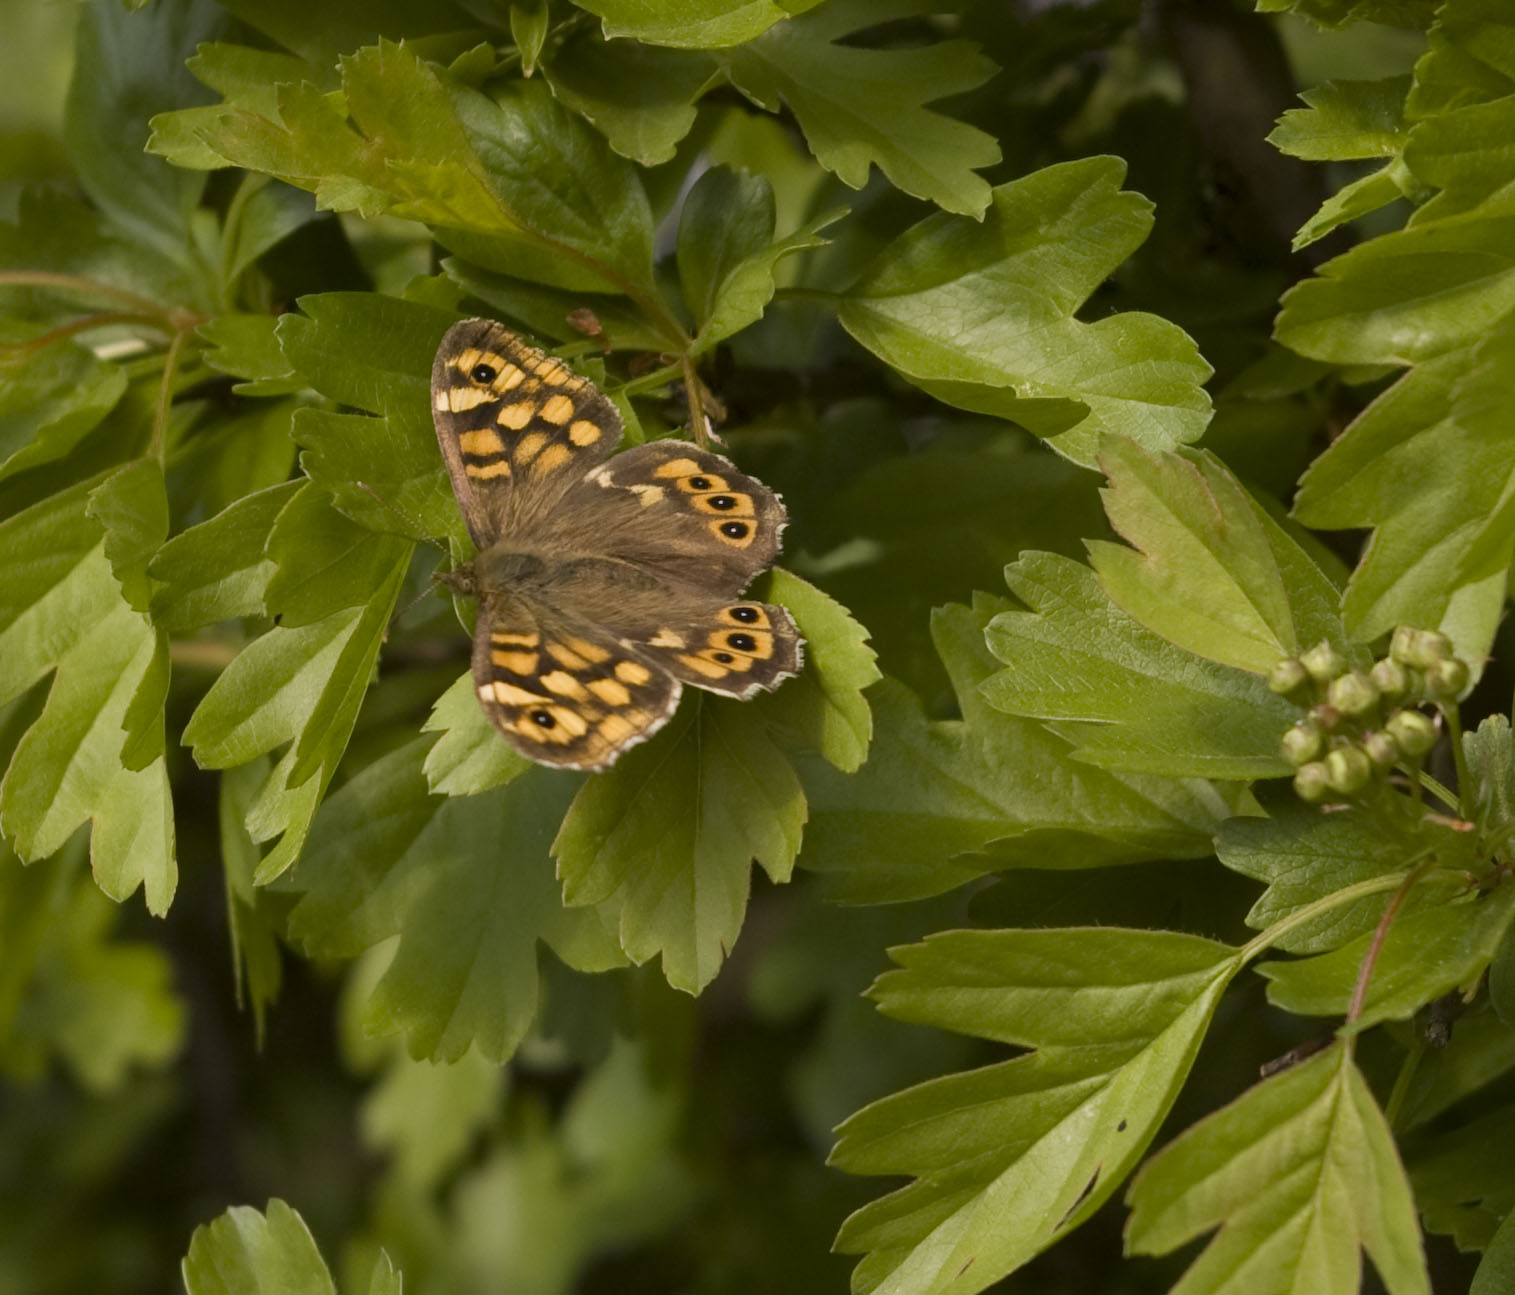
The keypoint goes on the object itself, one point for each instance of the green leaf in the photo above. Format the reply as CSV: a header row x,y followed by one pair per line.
x,y
825,705
1407,296
253,926
934,792
983,316
466,884
1462,1177
247,347
1303,856
132,505
1209,570
1427,953
243,1252
666,839
217,570
687,24
1442,540
51,401
69,990
470,756
126,68
861,107
727,254
1009,1158
640,97
1351,202
1497,1271
1299,1174
301,686
1124,697
1345,120
61,610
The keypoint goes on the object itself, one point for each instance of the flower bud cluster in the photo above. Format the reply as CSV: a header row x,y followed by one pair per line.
x,y
1361,723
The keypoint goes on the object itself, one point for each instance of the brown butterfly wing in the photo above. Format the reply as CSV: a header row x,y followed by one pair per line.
x,y
564,692
517,428
677,512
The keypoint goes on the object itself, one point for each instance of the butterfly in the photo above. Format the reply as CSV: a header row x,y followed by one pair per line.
x,y
604,583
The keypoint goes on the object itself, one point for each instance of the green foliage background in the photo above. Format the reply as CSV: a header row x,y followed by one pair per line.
x,y
1106,354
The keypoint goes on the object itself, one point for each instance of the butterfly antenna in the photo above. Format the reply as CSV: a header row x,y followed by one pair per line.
x,y
416,528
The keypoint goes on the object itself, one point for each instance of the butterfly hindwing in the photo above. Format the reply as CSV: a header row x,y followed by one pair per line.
x,y
681,513
516,426
564,694
735,648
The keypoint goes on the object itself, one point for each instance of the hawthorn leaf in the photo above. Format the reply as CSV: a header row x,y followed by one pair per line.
x,y
825,706
1209,571
1442,540
1496,1272
72,990
243,1252
862,107
320,34
727,253
934,793
1126,698
667,837
1464,152
247,347
218,570
640,97
466,884
687,24
1427,953
1462,1177
983,315
1480,1051
126,67
1410,295
1009,1158
1343,13
470,756
1303,855
1346,120
301,686
62,611
52,400
1299,1174
1354,200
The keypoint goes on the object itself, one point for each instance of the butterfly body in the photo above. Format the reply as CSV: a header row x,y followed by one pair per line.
x,y
604,584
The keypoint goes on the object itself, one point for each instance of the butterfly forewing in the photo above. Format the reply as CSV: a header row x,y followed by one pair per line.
x,y
516,426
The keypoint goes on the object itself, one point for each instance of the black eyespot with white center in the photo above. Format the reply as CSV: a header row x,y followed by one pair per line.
x,y
741,642
484,374
735,530
699,483
747,615
542,719
725,658
721,502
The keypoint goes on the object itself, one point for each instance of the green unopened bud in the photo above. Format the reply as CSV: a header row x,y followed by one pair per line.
x,y
1324,662
1288,676
1415,733
1446,679
1302,743
1353,694
1419,648
1311,783
1390,678
1325,717
1348,769
1382,749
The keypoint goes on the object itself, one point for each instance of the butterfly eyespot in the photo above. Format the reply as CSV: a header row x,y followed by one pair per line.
x,y
741,642
724,658
747,615
699,483
542,719
723,502
735,530
483,374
